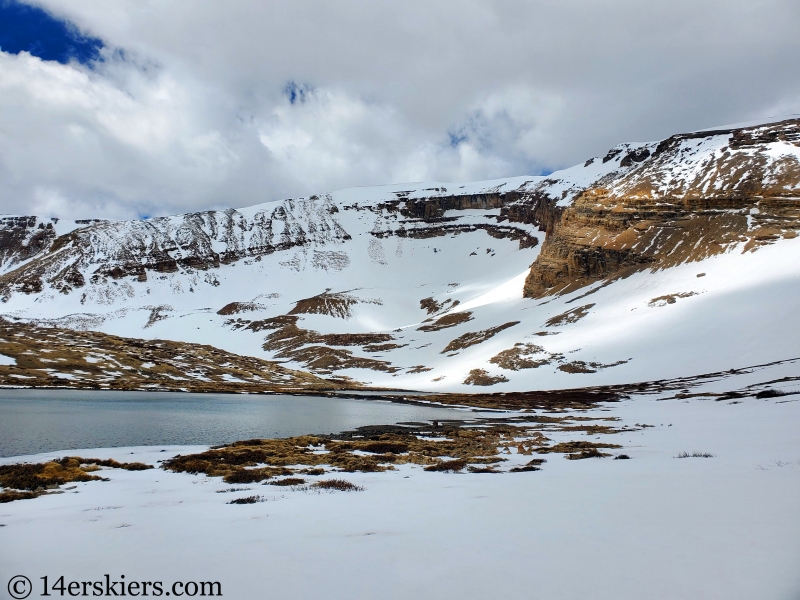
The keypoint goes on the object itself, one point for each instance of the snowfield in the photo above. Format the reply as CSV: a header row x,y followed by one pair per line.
x,y
655,526
726,312
436,272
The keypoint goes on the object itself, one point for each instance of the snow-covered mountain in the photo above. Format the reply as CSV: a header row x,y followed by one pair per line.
x,y
657,260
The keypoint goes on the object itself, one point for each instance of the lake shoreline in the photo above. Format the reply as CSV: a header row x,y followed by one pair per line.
x,y
466,533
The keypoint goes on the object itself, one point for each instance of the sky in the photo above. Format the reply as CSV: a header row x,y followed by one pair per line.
x,y
137,108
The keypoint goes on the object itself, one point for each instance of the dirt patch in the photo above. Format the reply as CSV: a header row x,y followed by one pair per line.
x,y
571,316
383,347
476,337
432,306
446,321
336,304
577,450
579,366
531,356
315,351
519,357
356,339
669,298
234,308
482,377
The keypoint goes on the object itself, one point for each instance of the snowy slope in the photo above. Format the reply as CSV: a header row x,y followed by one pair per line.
x,y
434,273
653,527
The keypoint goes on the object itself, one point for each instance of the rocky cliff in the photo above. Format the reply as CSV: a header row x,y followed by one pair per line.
x,y
693,196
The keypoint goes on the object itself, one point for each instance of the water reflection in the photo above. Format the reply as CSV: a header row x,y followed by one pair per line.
x,y
34,421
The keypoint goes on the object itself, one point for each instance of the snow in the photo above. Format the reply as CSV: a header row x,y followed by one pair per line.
x,y
510,290
7,360
736,316
654,527
753,123
568,183
739,316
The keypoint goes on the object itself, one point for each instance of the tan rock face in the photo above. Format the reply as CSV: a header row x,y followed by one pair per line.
x,y
697,195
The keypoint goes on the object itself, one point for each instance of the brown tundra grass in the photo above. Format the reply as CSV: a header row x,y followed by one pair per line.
x,y
338,484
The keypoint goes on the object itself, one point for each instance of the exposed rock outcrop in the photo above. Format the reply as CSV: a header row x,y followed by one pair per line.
x,y
695,196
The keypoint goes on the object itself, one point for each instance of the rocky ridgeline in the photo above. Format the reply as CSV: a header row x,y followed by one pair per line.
x,y
641,206
22,238
101,250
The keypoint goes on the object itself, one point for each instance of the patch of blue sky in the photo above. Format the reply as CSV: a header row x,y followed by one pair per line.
x,y
25,28
297,93
456,137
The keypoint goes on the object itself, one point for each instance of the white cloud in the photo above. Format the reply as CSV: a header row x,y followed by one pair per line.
x,y
72,137
192,114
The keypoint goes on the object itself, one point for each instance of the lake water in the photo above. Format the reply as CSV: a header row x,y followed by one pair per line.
x,y
35,421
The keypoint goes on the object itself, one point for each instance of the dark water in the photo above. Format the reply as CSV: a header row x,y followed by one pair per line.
x,y
34,421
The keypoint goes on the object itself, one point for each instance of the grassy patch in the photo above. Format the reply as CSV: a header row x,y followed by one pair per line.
x,y
489,469
11,495
28,480
531,465
289,481
247,500
340,485
432,306
669,299
448,466
334,304
234,308
316,351
446,321
579,366
519,357
577,450
570,316
476,337
442,446
94,360
482,377
695,454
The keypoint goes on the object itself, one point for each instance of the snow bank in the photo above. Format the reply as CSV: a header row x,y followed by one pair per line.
x,y
653,527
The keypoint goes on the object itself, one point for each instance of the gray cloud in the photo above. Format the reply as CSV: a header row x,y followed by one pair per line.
x,y
194,112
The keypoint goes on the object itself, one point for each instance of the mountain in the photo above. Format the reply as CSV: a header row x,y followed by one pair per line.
x,y
657,260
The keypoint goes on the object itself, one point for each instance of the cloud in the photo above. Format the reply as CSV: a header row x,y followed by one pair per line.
x,y
73,134
210,104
